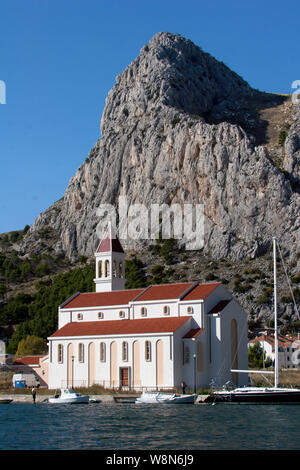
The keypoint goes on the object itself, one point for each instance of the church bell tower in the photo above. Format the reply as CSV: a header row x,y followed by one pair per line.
x,y
110,263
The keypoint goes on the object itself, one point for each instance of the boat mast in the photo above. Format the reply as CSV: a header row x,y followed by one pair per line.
x,y
275,316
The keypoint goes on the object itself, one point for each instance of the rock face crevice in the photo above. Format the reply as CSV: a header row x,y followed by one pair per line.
x,y
181,127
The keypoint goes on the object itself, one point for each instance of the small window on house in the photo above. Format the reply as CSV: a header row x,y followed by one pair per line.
x,y
148,351
143,312
125,351
102,352
166,310
190,310
60,353
121,314
81,352
79,316
100,315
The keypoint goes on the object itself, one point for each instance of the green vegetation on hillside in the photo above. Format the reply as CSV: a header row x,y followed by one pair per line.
x,y
36,315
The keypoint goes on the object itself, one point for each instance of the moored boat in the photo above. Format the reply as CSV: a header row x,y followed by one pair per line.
x,y
255,395
166,398
4,401
68,395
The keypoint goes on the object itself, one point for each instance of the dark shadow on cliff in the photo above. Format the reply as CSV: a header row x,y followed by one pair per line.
x,y
256,113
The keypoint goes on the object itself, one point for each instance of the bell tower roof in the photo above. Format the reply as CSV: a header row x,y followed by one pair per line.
x,y
110,243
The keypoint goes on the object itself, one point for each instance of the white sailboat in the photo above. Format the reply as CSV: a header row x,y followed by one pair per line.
x,y
273,394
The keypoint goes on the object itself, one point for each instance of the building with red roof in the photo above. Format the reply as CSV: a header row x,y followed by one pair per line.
x,y
153,337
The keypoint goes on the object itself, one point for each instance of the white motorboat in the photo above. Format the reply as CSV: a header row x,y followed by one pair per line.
x,y
68,395
166,398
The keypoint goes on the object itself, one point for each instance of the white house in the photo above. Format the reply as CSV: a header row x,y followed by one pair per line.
x,y
152,337
288,349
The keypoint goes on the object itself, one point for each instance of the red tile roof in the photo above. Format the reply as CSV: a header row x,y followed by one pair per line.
x,y
220,306
184,291
122,327
164,291
201,291
27,360
110,242
283,341
102,299
193,333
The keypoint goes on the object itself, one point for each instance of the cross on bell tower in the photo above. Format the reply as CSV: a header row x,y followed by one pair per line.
x,y
110,263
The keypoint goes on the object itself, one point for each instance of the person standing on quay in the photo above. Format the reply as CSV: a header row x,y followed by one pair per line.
x,y
33,391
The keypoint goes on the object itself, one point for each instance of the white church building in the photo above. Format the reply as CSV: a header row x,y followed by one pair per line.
x,y
148,338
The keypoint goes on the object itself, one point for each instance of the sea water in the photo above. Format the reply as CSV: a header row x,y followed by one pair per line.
x,y
101,426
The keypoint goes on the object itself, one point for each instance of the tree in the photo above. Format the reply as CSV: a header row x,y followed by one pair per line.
x,y
31,345
134,274
257,356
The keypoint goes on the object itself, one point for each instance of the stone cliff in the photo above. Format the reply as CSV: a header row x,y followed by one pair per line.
x,y
181,127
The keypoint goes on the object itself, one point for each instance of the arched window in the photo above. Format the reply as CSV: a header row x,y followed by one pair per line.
x,y
125,351
100,315
121,314
102,352
166,310
60,353
115,269
121,269
107,268
143,312
80,352
148,351
190,310
100,268
186,355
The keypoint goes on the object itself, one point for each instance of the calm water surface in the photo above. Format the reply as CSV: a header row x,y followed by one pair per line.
x,y
127,426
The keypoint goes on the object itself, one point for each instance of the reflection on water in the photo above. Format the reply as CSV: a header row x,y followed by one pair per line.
x,y
129,426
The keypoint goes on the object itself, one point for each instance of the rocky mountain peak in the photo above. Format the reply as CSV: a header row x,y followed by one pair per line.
x,y
181,127
174,72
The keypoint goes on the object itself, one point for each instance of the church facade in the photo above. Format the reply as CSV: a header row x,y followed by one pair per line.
x,y
153,337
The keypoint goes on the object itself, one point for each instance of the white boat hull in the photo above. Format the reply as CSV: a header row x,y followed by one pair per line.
x,y
68,395
83,399
165,398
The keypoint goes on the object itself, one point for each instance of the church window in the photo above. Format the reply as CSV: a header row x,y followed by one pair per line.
x,y
100,268
186,354
121,269
81,352
190,309
125,351
166,310
102,352
143,312
148,351
60,353
115,269
107,268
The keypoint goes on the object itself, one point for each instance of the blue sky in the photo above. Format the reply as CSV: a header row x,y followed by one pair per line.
x,y
59,59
